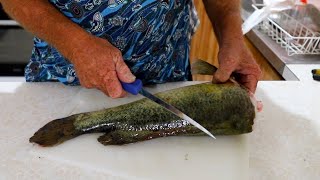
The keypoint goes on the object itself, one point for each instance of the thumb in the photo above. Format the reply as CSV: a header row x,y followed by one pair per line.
x,y
123,72
222,75
227,64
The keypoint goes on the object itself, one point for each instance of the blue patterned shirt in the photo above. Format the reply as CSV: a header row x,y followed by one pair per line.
x,y
153,36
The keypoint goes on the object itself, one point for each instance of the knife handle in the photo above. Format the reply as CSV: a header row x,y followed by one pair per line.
x,y
132,88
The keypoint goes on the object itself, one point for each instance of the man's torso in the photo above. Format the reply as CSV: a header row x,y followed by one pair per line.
x,y
153,36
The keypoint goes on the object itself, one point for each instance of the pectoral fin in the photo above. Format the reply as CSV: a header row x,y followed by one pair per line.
x,y
120,137
202,67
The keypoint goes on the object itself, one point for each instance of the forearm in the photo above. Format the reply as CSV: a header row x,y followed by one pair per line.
x,y
233,55
43,20
225,18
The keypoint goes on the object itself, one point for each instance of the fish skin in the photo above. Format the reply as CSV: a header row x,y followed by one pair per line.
x,y
223,109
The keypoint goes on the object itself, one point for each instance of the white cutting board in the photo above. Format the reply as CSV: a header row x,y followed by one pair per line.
x,y
166,158
163,158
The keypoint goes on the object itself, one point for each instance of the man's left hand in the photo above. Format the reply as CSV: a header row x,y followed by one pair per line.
x,y
236,58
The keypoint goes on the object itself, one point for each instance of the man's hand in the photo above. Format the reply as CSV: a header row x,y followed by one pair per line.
x,y
233,55
236,58
100,65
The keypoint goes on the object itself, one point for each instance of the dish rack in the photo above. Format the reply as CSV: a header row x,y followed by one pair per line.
x,y
290,33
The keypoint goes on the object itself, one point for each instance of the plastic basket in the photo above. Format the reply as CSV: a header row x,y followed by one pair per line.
x,y
291,33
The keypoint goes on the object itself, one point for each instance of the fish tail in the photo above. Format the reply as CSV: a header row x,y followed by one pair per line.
x,y
56,132
202,67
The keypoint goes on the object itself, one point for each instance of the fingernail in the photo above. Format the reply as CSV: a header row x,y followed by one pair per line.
x,y
130,77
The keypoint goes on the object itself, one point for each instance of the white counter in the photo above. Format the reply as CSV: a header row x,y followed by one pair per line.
x,y
285,143
303,71
12,79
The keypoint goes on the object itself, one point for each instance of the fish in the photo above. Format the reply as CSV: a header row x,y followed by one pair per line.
x,y
223,109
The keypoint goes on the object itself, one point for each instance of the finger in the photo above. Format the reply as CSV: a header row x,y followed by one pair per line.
x,y
222,75
123,72
110,83
226,67
124,94
250,76
86,84
106,92
100,88
249,81
82,80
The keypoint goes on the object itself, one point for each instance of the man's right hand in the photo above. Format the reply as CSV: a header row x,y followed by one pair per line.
x,y
97,63
100,65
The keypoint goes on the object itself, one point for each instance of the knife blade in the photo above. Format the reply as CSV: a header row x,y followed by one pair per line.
x,y
136,88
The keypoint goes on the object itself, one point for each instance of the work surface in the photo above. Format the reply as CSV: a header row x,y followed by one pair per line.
x,y
285,143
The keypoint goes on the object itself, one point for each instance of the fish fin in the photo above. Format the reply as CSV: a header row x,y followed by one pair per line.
x,y
56,132
121,137
202,67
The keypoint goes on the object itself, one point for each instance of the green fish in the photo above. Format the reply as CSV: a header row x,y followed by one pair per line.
x,y
223,109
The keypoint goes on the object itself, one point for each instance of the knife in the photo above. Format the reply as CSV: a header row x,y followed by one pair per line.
x,y
136,88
